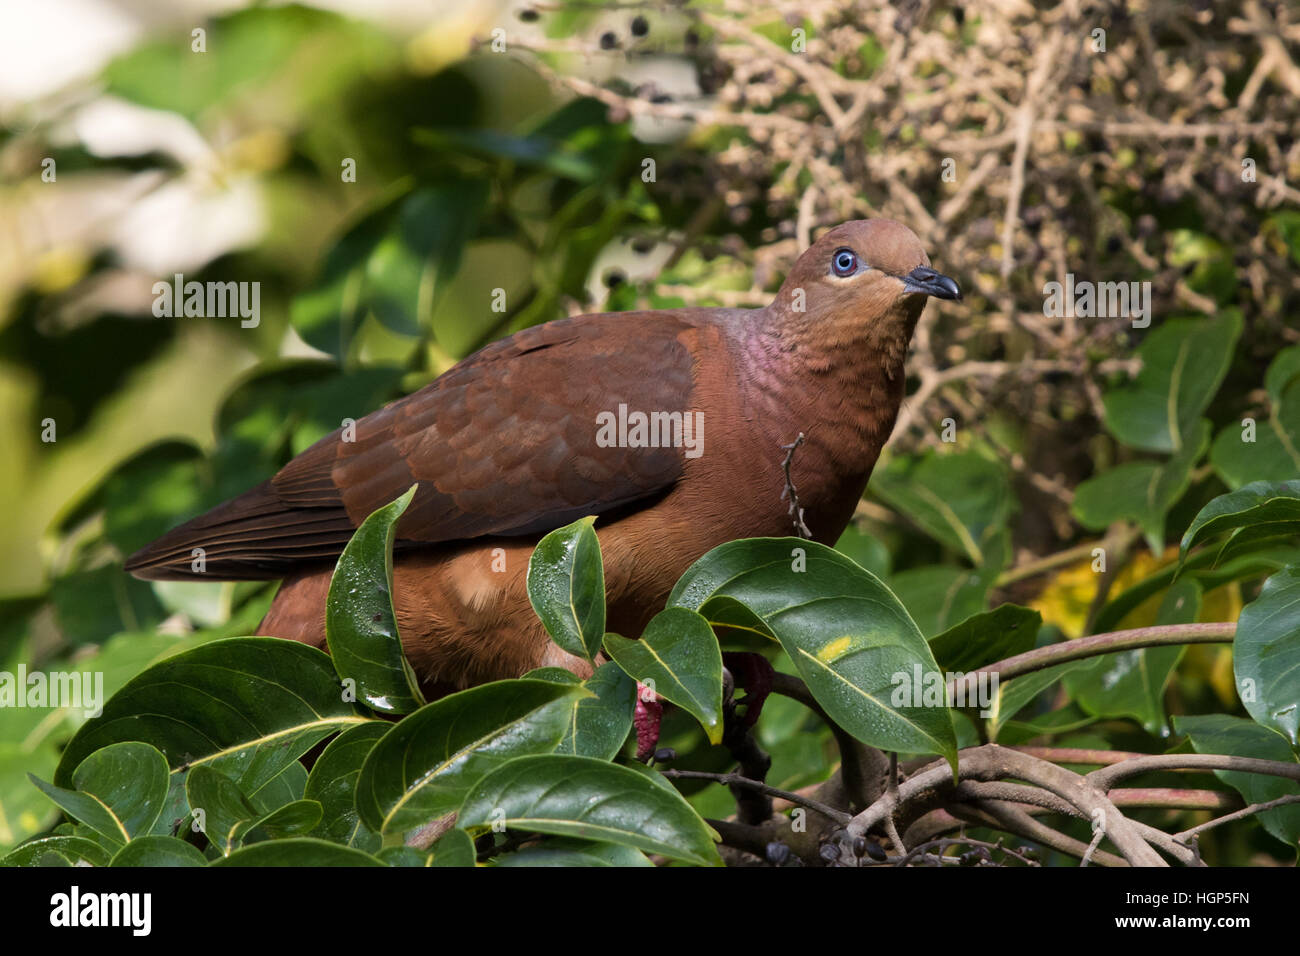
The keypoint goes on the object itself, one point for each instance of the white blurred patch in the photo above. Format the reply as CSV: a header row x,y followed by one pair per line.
x,y
184,224
49,44
113,127
622,256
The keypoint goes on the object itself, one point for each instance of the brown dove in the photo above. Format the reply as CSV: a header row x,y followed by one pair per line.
x,y
670,426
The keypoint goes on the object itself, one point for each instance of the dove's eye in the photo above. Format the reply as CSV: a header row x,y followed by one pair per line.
x,y
844,262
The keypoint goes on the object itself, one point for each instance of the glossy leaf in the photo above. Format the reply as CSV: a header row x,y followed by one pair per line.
x,y
1223,734
847,634
562,851
423,767
1014,695
285,787
599,725
566,585
219,807
119,791
589,799
986,638
1266,654
360,623
248,706
158,851
297,851
1258,504
453,848
679,656
58,851
333,783
130,779
291,820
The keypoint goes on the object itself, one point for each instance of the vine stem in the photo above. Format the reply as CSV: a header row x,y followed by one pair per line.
x,y
1043,657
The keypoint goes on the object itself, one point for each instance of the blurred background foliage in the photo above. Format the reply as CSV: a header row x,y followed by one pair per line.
x,y
570,157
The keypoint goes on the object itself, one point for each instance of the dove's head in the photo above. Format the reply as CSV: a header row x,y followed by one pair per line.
x,y
867,279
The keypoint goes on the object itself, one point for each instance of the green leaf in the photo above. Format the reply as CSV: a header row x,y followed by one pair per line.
x,y
1287,223
1140,491
120,791
1268,451
87,808
453,848
360,623
592,800
962,499
329,312
1222,734
1261,503
1257,562
563,851
333,783
986,638
285,787
1266,654
1282,373
599,725
219,806
247,706
131,780
293,819
423,767
679,657
866,551
297,851
1183,363
847,634
566,585
158,851
59,851
1132,683
939,597
1014,695
410,267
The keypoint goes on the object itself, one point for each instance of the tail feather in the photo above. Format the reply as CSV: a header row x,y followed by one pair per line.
x,y
254,537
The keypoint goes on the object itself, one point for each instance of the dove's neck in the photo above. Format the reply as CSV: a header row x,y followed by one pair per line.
x,y
840,384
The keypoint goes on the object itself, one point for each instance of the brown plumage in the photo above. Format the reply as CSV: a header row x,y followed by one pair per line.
x,y
507,445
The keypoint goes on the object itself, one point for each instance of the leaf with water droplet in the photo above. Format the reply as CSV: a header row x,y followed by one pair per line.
x,y
811,598
566,585
360,623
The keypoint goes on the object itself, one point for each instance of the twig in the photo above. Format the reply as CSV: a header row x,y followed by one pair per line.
x,y
1190,834
736,780
796,512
